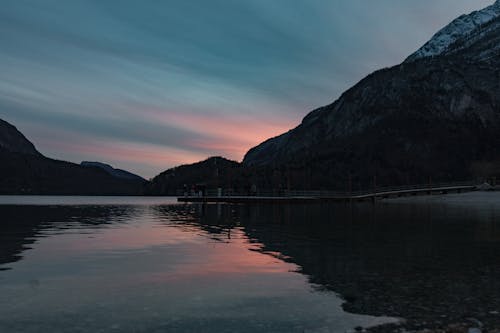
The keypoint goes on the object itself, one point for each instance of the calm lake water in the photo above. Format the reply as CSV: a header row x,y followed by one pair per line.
x,y
106,264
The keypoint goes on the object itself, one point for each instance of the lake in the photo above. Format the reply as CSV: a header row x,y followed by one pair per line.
x,y
125,264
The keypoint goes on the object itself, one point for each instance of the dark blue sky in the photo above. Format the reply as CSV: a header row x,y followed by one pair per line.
x,y
146,85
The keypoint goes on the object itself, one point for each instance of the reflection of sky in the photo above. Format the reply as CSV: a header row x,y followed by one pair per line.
x,y
146,85
143,272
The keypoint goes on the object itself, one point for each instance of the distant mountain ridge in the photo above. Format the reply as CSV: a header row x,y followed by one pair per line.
x,y
118,173
23,170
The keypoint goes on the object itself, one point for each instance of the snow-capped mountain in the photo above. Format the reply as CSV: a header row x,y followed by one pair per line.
x,y
460,28
436,117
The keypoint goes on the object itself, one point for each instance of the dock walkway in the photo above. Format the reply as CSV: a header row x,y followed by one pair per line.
x,y
329,196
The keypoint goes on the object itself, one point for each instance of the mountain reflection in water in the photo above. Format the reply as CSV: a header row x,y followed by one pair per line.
x,y
244,268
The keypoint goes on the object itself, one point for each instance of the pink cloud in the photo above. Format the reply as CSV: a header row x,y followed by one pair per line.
x,y
126,152
148,159
229,135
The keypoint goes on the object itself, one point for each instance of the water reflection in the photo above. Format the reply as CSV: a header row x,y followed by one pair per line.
x,y
415,260
245,268
21,226
152,269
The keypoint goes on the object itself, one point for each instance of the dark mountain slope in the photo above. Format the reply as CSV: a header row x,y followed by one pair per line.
x,y
211,173
435,117
14,141
23,170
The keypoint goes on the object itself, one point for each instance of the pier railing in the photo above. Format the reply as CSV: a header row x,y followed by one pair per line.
x,y
378,191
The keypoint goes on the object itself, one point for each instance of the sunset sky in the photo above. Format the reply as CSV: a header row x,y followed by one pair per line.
x,y
147,85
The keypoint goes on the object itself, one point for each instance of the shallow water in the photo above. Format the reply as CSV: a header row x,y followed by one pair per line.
x,y
101,264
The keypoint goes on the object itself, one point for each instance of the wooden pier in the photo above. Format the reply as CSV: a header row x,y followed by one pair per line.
x,y
327,196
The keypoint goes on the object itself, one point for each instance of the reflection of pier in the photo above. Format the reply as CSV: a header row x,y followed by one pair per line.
x,y
286,196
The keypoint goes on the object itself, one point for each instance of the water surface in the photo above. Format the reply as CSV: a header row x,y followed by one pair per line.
x,y
100,264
